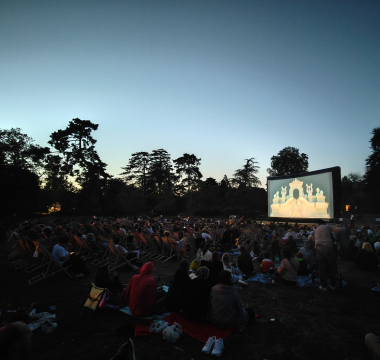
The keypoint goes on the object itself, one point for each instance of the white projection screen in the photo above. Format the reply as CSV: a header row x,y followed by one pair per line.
x,y
312,195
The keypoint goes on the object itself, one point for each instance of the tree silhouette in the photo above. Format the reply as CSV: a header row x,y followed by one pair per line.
x,y
77,147
246,177
288,161
372,171
137,170
188,166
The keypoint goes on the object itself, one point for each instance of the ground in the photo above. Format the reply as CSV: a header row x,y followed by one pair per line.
x,y
309,324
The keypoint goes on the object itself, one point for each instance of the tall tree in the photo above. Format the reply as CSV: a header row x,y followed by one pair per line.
x,y
77,147
246,177
55,179
288,161
372,171
211,182
20,164
353,192
188,167
137,170
17,149
161,173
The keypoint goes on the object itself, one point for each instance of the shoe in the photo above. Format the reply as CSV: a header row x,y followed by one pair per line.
x,y
178,328
168,333
218,348
158,326
79,275
322,288
175,333
209,345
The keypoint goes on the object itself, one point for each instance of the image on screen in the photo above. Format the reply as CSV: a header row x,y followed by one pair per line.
x,y
307,197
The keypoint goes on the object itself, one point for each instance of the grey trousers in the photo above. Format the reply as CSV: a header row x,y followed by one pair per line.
x,y
326,259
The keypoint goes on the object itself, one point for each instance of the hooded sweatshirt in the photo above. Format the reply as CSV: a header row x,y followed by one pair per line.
x,y
141,291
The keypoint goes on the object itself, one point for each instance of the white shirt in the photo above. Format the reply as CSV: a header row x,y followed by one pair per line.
x,y
207,256
206,236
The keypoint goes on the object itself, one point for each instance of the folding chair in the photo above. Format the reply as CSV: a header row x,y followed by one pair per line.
x,y
153,247
106,254
168,248
50,267
119,259
160,246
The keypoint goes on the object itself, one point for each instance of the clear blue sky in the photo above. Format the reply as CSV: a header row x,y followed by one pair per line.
x,y
224,80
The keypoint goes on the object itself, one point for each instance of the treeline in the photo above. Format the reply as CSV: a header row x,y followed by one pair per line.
x,y
70,173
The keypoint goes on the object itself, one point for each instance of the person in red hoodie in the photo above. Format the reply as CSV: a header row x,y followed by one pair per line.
x,y
142,295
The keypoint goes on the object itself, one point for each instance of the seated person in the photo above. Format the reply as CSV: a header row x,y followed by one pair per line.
x,y
129,254
302,270
245,264
141,294
64,258
206,253
373,343
103,279
225,307
275,248
227,266
265,242
179,246
267,265
15,341
288,270
308,252
215,267
292,244
178,286
196,302
351,251
366,259
205,235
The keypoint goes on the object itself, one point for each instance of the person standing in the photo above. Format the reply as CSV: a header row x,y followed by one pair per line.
x,y
325,254
352,218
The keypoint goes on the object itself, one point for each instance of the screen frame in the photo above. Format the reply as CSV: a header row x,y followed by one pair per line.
x,y
336,189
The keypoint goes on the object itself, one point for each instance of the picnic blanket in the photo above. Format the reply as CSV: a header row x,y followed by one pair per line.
x,y
197,330
303,281
263,278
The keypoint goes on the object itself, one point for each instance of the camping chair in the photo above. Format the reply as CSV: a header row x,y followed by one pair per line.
x,y
106,254
24,250
146,247
247,235
118,259
155,254
49,268
191,243
39,259
160,246
168,248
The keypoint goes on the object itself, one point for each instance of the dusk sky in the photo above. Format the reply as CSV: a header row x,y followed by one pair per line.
x,y
224,80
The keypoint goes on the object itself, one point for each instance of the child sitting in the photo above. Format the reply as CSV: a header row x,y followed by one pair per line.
x,y
267,265
302,270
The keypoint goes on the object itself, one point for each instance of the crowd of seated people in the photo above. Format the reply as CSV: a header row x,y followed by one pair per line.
x,y
211,296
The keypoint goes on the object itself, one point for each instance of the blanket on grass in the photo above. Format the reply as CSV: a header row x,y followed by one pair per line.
x,y
303,281
197,330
